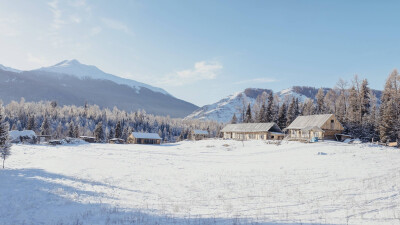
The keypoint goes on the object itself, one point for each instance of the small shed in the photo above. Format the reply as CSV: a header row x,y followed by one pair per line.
x,y
144,138
116,141
199,134
88,139
24,136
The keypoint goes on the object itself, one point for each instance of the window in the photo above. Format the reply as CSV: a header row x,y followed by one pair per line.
x,y
332,124
272,137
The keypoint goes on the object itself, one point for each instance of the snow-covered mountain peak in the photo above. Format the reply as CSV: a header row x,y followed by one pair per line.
x,y
75,68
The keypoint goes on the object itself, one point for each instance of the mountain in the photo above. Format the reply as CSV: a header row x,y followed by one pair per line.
x,y
72,83
4,68
75,68
224,109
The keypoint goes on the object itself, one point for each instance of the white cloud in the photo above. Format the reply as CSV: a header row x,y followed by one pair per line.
x,y
57,21
116,25
202,71
257,80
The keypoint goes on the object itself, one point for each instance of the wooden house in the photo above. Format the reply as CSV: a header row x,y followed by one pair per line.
x,y
252,131
116,141
144,138
199,134
307,128
88,139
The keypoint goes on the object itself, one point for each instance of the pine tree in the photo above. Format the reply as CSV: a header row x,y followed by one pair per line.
x,y
4,144
31,123
118,130
282,116
71,130
291,112
111,134
269,112
248,118
45,128
365,99
262,114
353,113
76,131
320,107
99,132
234,119
388,122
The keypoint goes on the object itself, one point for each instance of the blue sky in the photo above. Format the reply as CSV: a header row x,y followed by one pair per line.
x,y
201,51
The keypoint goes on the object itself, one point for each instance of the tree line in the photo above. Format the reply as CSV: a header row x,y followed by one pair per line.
x,y
48,118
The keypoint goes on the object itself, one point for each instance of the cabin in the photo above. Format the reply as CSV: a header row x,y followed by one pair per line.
x,y
88,139
252,131
144,138
24,136
199,134
314,127
116,141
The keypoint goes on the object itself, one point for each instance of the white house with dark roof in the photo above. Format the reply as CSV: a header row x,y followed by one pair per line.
x,y
252,131
323,126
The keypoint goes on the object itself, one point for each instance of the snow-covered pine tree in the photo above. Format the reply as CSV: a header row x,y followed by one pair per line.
x,y
71,130
291,112
45,128
320,106
269,112
110,134
248,118
118,130
308,108
31,123
282,116
4,144
234,119
353,113
99,132
365,99
76,131
388,124
261,114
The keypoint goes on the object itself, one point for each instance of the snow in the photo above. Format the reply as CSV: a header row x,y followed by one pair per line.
x,y
146,135
75,68
202,182
15,134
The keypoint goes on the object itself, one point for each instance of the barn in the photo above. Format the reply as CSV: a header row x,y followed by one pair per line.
x,y
252,131
144,138
308,128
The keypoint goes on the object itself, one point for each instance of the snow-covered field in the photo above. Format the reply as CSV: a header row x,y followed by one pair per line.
x,y
204,182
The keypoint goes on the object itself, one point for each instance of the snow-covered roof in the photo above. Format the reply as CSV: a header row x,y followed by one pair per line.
x,y
202,132
251,127
146,135
15,134
302,122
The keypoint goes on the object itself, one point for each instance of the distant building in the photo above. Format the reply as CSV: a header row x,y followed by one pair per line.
x,y
144,138
252,131
199,134
116,141
88,139
25,136
307,128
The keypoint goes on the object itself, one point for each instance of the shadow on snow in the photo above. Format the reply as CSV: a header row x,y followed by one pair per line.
x,y
30,196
